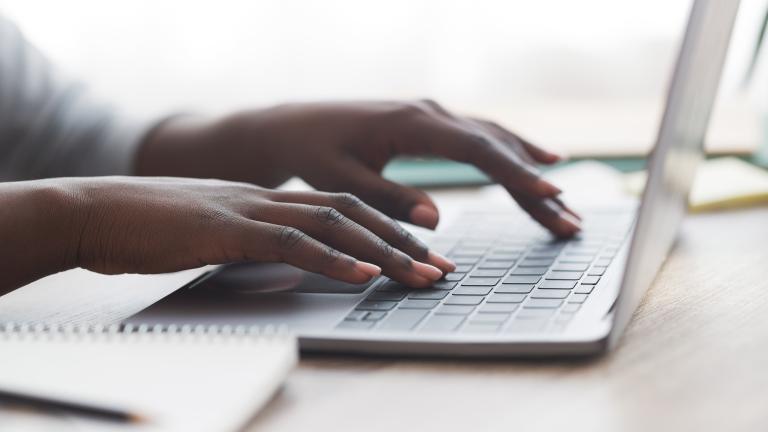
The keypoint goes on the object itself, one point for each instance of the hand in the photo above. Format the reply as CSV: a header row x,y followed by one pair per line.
x,y
345,146
152,225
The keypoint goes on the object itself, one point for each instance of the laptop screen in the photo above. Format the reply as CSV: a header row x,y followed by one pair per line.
x,y
678,151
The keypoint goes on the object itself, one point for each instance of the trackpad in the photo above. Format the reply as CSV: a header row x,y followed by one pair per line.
x,y
258,278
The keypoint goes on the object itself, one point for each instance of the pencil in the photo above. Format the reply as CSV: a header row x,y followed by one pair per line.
x,y
46,403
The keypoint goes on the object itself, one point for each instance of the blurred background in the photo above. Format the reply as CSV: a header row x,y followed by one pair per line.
x,y
583,77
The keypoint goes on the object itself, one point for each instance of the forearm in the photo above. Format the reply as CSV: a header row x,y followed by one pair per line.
x,y
38,230
237,147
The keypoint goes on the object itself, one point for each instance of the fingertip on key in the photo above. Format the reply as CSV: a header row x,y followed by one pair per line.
x,y
547,189
369,269
427,271
570,224
424,215
441,262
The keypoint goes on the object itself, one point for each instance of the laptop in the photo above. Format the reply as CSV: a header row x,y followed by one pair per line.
x,y
517,291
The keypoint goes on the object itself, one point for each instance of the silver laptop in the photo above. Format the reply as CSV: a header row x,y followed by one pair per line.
x,y
516,290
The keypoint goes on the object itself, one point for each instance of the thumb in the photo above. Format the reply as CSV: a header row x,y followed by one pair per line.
x,y
393,199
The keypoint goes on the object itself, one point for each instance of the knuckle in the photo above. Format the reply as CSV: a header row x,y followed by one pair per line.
x,y
329,216
289,238
431,104
347,200
408,109
384,248
480,141
329,256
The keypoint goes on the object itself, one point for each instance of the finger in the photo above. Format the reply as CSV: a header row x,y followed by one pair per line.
x,y
261,241
378,223
331,227
398,201
472,144
566,208
551,215
537,153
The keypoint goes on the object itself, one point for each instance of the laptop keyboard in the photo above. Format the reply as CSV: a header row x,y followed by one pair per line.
x,y
511,276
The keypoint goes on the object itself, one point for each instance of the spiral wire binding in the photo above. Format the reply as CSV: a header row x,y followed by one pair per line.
x,y
122,331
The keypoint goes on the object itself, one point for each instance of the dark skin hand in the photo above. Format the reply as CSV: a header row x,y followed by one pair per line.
x,y
118,225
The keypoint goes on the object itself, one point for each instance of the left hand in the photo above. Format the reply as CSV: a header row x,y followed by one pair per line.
x,y
345,146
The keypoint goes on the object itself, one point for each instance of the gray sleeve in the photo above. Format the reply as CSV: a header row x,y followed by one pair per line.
x,y
49,125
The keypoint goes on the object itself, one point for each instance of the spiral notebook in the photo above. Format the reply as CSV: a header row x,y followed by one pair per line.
x,y
178,378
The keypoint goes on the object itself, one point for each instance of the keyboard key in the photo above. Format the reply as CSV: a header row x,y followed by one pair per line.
x,y
369,305
577,298
590,280
503,257
514,289
508,251
526,326
541,262
557,284
543,303
418,304
392,286
387,295
559,275
454,277
355,325
480,281
543,254
402,319
496,265
471,290
488,273
570,308
374,316
491,317
584,289
464,300
472,253
529,271
535,313
356,315
465,260
443,285
455,310
522,279
597,271
442,323
576,258
428,294
498,307
463,268
481,327
506,298
571,267
603,262
550,293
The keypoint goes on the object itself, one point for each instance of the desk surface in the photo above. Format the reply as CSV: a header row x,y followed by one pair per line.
x,y
695,357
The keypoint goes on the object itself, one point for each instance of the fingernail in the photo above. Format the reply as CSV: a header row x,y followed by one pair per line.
x,y
368,268
441,262
428,271
548,188
570,222
424,215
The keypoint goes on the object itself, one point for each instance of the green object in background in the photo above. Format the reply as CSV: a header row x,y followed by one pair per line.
x,y
437,173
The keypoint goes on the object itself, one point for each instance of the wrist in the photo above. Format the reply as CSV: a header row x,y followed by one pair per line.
x,y
176,147
41,223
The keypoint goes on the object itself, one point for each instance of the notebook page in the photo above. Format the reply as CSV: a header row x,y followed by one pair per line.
x,y
181,382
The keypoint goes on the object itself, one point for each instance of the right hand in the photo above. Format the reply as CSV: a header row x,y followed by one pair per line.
x,y
154,225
